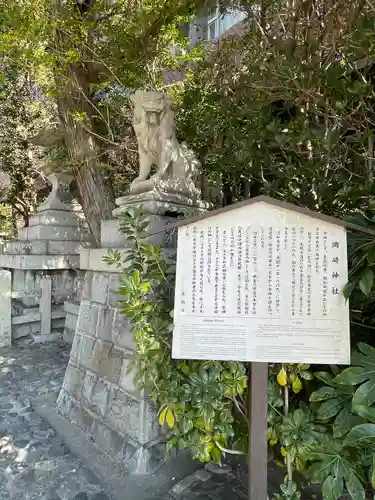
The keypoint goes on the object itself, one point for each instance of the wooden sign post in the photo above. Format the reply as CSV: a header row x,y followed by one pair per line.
x,y
258,425
261,281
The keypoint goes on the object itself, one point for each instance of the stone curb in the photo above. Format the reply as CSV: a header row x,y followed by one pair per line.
x,y
110,473
201,475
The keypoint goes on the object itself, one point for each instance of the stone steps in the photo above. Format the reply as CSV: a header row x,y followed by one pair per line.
x,y
43,247
37,262
61,233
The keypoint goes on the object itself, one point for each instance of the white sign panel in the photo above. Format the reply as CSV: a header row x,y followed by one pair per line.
x,y
262,283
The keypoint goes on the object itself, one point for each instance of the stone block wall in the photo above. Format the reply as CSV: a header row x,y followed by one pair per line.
x,y
64,285
98,392
71,309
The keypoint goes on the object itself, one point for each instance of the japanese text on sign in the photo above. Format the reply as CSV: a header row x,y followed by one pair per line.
x,y
266,290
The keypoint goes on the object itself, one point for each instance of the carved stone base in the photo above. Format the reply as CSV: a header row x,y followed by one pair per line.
x,y
181,187
160,202
162,208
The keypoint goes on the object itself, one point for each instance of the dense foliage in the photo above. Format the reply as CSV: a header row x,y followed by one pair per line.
x,y
285,110
198,400
321,419
21,117
86,55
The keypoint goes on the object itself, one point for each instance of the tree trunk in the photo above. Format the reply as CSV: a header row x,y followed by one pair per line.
x,y
76,114
77,110
97,200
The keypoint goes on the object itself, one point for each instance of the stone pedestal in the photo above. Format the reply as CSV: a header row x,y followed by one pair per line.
x,y
162,208
47,249
98,392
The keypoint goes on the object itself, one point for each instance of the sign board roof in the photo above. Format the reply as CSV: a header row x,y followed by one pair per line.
x,y
277,203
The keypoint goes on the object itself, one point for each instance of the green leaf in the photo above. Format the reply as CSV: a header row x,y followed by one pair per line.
x,y
322,394
329,408
332,488
360,435
144,288
365,411
208,413
136,277
349,376
366,281
367,349
298,417
371,255
354,485
347,290
345,421
365,394
332,459
324,377
300,463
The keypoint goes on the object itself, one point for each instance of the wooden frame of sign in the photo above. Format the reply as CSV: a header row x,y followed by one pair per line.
x,y
261,281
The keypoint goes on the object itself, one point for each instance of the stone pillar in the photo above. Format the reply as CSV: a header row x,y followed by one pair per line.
x,y
98,392
45,305
5,308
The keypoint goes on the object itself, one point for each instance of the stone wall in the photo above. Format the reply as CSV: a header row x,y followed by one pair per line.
x,y
71,309
98,393
64,284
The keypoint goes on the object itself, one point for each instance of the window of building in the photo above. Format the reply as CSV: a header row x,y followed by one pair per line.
x,y
213,22
218,23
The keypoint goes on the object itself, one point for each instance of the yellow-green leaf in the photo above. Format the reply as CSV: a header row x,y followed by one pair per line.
x,y
162,416
272,436
170,418
282,377
300,463
284,451
216,455
297,385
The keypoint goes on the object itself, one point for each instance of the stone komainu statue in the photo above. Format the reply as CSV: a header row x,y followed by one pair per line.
x,y
176,166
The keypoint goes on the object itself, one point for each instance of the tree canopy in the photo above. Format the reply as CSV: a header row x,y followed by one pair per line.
x,y
77,52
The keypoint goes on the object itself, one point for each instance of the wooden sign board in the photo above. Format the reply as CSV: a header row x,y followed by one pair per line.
x,y
262,283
